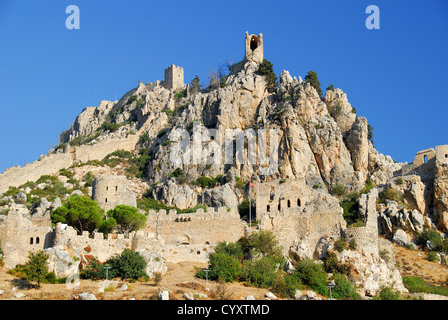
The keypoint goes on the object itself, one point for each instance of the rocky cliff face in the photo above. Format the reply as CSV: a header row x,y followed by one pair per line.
x,y
320,140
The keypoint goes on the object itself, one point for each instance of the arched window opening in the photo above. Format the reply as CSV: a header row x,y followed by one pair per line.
x,y
107,188
425,159
31,240
105,200
279,207
37,240
268,208
298,202
289,203
253,43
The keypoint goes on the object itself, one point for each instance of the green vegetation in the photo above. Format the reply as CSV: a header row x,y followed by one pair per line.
x,y
339,190
195,86
178,95
88,179
243,209
436,241
80,140
179,174
127,218
312,79
240,183
128,265
81,213
387,293
135,166
370,133
144,137
416,284
390,193
232,262
266,68
349,202
258,262
111,127
133,98
207,182
36,269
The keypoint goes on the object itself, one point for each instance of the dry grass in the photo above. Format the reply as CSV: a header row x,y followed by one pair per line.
x,y
415,263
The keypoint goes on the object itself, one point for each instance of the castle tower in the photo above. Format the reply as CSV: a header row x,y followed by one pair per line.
x,y
174,78
254,48
110,191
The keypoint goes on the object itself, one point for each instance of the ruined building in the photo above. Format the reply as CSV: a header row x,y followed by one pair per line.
x,y
110,191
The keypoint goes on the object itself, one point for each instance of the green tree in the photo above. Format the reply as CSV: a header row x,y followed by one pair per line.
x,y
224,267
312,78
195,86
108,225
313,275
81,213
266,68
370,133
36,268
128,218
128,265
260,272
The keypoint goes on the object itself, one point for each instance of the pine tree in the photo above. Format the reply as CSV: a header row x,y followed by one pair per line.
x,y
267,68
36,268
312,78
195,85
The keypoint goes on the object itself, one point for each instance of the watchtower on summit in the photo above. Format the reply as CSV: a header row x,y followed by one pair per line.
x,y
174,78
254,48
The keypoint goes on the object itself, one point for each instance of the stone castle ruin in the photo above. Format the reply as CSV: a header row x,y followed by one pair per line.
x,y
110,191
305,220
426,161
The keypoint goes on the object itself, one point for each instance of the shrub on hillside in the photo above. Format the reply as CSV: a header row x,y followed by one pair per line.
x,y
266,68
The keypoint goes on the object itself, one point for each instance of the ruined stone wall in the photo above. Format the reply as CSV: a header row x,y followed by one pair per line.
x,y
199,228
20,236
52,163
366,237
292,210
99,247
110,191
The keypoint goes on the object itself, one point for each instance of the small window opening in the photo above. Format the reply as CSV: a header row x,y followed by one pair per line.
x,y
31,240
298,202
37,240
268,208
289,204
279,206
107,188
105,200
425,159
116,188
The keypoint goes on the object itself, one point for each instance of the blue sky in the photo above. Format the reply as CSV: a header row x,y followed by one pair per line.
x,y
396,76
